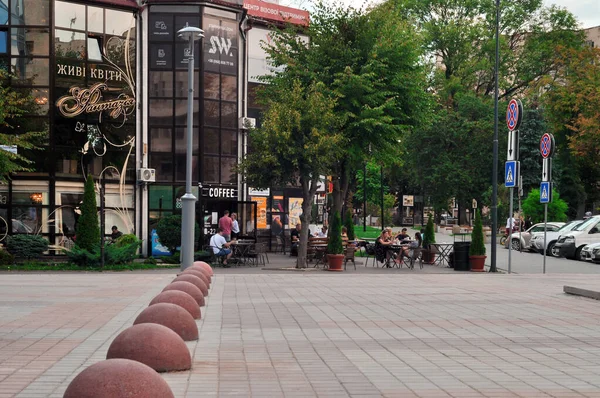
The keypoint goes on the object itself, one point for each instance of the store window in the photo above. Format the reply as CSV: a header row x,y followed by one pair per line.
x,y
31,12
3,40
30,41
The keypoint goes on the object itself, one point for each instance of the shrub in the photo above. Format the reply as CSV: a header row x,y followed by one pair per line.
x,y
6,258
27,246
477,246
88,227
334,245
202,255
169,232
125,240
83,257
124,252
429,237
349,224
174,259
150,260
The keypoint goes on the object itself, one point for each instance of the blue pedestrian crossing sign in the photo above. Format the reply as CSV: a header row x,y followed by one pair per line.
x,y
511,174
545,192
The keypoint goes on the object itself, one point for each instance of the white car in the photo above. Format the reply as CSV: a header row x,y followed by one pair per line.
x,y
525,241
591,252
537,238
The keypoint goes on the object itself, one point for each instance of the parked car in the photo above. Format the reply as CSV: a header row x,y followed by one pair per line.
x,y
525,241
571,244
537,238
591,252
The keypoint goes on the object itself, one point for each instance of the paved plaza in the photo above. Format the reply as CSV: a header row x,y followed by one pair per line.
x,y
392,333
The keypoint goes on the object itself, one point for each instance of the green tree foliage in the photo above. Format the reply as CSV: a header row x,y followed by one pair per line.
x,y
334,244
15,106
169,231
477,247
88,226
557,209
27,246
429,236
349,224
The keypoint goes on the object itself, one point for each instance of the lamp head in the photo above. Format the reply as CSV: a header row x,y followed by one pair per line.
x,y
190,33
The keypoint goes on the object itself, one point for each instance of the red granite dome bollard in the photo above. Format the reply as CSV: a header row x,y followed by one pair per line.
x,y
197,273
172,316
203,271
206,266
181,299
114,378
152,344
189,288
196,281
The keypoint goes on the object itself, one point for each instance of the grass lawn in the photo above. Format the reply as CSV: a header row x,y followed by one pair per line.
x,y
44,266
370,233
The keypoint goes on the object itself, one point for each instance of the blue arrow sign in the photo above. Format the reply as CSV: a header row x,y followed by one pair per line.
x,y
511,174
545,192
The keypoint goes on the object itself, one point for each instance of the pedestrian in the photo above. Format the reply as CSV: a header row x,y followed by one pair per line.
x,y
235,227
225,223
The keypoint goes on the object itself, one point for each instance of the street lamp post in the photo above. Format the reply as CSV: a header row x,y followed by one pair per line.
x,y
188,201
495,156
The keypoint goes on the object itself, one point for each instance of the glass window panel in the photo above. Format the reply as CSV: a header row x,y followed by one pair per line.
x,y
228,88
181,112
181,84
94,52
68,15
228,174
160,84
160,197
118,48
3,41
160,112
30,71
69,44
3,224
26,220
211,169
181,140
211,113
229,142
30,41
160,139
211,85
120,23
180,168
40,98
163,163
95,19
228,115
3,12
211,141
32,12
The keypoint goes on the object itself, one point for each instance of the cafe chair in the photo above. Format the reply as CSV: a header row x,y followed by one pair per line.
x,y
349,255
414,255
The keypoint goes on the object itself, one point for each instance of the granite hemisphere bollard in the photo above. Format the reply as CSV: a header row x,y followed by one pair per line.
x,y
172,316
181,299
189,288
205,266
193,279
116,378
152,344
198,274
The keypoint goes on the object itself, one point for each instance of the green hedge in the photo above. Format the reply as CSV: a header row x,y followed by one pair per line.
x,y
27,246
6,258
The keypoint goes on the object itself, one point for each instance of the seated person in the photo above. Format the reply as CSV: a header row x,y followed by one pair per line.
x,y
295,238
381,252
220,246
418,242
322,233
344,234
402,235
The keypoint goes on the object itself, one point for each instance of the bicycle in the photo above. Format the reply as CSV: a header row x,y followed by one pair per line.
x,y
505,236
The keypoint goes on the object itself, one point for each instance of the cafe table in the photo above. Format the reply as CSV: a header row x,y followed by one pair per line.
x,y
444,250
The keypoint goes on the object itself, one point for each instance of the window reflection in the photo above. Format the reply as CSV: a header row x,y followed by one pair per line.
x,y
163,163
68,15
211,141
30,71
161,139
181,140
3,12
30,41
229,142
211,85
181,112
30,12
228,174
95,19
94,52
160,197
68,44
160,84
228,115
3,41
161,112
180,168
228,88
211,113
120,23
211,169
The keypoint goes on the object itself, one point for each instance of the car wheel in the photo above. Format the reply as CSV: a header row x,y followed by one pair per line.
x,y
551,251
578,253
515,244
555,251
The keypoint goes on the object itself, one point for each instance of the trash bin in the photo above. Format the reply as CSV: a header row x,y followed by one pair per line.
x,y
461,256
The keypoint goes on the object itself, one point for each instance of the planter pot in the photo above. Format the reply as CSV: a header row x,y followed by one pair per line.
x,y
428,257
335,262
477,263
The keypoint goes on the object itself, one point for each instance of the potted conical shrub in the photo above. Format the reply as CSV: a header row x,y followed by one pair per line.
x,y
477,250
428,239
335,249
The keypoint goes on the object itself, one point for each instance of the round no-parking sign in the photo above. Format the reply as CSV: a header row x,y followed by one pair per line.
x,y
547,145
514,113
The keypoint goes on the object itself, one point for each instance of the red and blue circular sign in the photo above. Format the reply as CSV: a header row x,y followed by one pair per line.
x,y
547,145
514,112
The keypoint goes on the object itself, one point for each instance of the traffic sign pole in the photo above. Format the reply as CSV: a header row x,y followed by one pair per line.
x,y
546,150
545,231
514,113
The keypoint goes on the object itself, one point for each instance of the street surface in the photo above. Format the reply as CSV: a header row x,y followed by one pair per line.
x,y
368,333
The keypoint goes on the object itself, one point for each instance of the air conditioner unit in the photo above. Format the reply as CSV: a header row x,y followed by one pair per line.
x,y
247,122
146,175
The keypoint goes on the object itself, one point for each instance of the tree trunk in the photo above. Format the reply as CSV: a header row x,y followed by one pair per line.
x,y
309,189
340,187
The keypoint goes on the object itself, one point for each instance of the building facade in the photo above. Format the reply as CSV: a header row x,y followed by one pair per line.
x,y
109,79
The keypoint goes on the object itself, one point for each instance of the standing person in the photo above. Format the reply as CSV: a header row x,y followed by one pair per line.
x,y
325,217
221,247
235,227
510,225
225,223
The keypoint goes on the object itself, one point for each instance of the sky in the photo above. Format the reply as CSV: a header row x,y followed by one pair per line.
x,y
586,11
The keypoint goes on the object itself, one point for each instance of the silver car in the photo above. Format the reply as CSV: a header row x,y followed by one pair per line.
x,y
591,252
537,238
525,241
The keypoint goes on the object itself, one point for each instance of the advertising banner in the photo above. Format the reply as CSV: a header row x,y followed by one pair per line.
x,y
276,12
261,208
295,206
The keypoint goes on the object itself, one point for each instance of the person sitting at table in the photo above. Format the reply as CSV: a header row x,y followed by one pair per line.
x,y
418,242
322,233
382,254
295,238
220,246
344,234
403,235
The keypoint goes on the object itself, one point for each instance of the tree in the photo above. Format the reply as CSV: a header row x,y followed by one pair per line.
x,y
14,107
557,209
169,231
88,226
429,236
349,224
296,143
334,244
